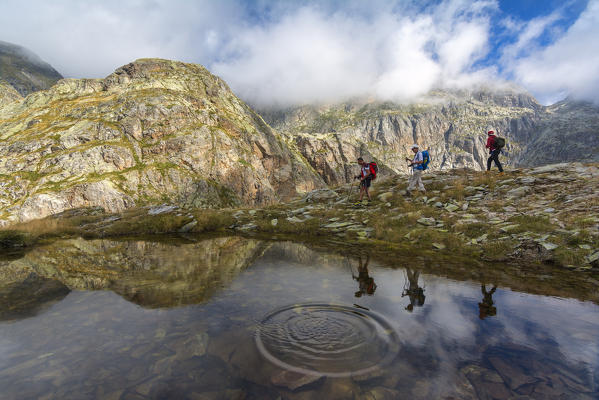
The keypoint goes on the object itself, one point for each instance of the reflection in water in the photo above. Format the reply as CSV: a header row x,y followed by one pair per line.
x,y
266,321
146,273
486,307
365,282
414,292
29,297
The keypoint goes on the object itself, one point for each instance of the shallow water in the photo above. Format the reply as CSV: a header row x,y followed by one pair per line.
x,y
234,318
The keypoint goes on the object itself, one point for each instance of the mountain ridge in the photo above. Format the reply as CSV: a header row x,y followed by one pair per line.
x,y
24,70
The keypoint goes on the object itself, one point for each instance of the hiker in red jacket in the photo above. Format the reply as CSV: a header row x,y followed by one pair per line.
x,y
493,151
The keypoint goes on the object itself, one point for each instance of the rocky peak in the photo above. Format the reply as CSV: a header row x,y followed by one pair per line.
x,y
153,131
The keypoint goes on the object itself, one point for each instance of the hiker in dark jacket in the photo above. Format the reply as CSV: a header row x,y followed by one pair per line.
x,y
486,307
366,282
493,151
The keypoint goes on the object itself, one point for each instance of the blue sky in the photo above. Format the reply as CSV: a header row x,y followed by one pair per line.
x,y
292,52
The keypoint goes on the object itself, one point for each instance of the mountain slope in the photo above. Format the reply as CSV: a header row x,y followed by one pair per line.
x,y
24,70
452,124
567,131
153,131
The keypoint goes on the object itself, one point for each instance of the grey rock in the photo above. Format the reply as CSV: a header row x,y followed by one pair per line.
x,y
426,221
294,380
518,192
161,209
187,227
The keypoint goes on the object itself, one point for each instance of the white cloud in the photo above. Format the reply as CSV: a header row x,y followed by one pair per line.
x,y
568,66
311,56
289,52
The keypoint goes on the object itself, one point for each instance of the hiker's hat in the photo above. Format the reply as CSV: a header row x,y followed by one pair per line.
x,y
490,131
414,146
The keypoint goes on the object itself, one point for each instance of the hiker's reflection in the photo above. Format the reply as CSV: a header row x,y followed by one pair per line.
x,y
365,281
486,307
413,291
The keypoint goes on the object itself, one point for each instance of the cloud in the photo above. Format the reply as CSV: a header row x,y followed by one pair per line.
x,y
311,55
568,66
286,53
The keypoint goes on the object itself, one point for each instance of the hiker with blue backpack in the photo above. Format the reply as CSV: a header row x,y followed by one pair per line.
x,y
419,164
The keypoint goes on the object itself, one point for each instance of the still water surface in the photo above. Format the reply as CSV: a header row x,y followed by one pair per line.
x,y
235,318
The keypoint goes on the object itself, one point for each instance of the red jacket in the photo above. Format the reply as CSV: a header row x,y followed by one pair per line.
x,y
491,142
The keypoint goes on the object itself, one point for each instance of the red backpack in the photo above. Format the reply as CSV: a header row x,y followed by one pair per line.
x,y
373,169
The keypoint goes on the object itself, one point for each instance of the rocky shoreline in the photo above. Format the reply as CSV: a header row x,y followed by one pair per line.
x,y
548,214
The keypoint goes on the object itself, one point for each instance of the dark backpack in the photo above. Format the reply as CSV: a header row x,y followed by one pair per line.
x,y
426,158
499,142
373,169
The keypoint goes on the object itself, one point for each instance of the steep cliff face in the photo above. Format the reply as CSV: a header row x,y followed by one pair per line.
x,y
24,70
153,131
567,131
451,124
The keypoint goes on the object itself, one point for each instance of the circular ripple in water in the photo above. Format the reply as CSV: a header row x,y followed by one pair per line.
x,y
326,339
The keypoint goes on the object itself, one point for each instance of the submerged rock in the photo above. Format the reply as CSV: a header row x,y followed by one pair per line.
x,y
294,380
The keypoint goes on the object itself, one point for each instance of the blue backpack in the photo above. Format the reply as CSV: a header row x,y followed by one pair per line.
x,y
425,159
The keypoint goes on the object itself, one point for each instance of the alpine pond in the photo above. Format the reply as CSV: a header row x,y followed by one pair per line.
x,y
241,318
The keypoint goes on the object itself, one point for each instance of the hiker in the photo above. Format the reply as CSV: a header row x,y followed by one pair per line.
x,y
365,178
493,151
486,307
365,281
413,291
417,169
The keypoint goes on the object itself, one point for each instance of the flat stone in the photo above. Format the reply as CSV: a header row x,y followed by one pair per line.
x,y
252,212
548,245
518,192
248,227
274,221
320,195
451,207
593,257
161,209
528,180
438,204
335,225
439,246
549,210
550,168
509,228
187,227
426,221
465,206
295,220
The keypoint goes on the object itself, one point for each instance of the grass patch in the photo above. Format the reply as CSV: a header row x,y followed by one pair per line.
x,y
532,223
498,250
568,256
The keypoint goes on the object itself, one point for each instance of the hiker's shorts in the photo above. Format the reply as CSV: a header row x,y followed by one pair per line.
x,y
366,182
